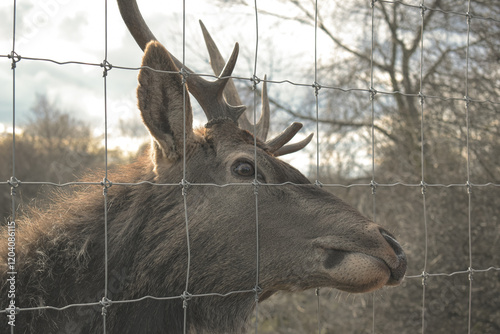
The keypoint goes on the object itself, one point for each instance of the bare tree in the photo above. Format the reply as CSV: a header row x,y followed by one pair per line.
x,y
52,147
403,71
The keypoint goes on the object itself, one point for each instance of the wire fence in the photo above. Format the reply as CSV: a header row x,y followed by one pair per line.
x,y
317,88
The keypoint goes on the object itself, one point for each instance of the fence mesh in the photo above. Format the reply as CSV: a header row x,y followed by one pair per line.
x,y
372,93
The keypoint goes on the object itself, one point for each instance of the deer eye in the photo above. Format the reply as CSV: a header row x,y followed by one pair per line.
x,y
244,168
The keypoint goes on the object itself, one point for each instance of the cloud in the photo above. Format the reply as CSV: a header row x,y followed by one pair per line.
x,y
74,27
5,26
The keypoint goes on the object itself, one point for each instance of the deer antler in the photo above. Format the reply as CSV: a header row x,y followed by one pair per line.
x,y
217,98
208,93
231,93
277,144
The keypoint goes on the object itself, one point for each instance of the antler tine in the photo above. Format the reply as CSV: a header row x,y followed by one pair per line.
x,y
231,94
264,120
277,144
204,91
287,149
217,62
216,108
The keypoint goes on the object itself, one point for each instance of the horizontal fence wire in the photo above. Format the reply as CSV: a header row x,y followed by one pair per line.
x,y
18,60
258,79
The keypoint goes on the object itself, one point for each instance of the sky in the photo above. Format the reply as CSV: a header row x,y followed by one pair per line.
x,y
71,30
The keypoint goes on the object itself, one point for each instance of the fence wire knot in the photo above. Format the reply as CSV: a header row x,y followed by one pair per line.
x,y
469,17
471,273
258,290
373,3
423,9
422,98
255,81
107,67
185,186
425,276
15,59
469,187
14,310
256,185
105,302
467,101
186,296
423,187
316,87
318,183
106,184
184,75
14,183
373,92
373,185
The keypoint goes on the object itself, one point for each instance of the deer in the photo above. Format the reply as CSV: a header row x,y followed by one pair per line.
x,y
186,249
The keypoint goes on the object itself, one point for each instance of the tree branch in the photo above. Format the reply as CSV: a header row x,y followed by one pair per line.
x,y
340,123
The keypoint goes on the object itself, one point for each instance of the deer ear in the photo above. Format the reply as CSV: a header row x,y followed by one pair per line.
x,y
163,103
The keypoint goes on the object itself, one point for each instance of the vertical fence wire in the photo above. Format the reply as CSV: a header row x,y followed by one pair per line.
x,y
13,181
372,92
14,59
255,80
317,87
185,183
106,183
423,187
373,183
469,185
13,67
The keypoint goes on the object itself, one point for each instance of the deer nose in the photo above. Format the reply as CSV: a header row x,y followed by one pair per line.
x,y
398,271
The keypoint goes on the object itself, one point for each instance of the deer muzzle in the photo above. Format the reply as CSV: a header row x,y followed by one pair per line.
x,y
363,261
